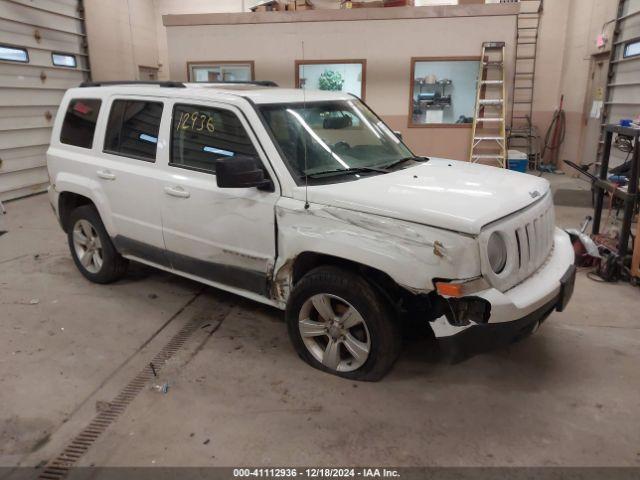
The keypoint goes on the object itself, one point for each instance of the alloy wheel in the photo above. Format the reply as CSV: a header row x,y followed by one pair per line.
x,y
87,246
334,332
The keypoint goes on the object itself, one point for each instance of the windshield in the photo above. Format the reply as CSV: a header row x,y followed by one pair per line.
x,y
332,138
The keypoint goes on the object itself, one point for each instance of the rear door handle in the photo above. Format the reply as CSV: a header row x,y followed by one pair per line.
x,y
177,191
106,174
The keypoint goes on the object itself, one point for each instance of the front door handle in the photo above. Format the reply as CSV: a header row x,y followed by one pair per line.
x,y
106,174
177,191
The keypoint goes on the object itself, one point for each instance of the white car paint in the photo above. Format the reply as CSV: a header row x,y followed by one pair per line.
x,y
418,224
450,194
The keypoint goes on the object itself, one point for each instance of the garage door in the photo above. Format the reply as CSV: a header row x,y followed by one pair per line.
x,y
42,53
623,96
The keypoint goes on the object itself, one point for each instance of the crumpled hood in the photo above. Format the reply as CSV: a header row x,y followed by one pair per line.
x,y
448,194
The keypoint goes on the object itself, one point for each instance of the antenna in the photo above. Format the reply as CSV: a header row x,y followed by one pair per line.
x,y
304,114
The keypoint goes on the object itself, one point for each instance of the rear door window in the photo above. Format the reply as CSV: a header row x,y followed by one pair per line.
x,y
200,135
132,129
79,124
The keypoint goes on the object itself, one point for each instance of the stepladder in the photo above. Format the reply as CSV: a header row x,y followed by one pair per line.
x,y
488,134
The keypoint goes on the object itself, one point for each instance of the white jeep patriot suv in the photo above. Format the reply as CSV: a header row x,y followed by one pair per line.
x,y
310,203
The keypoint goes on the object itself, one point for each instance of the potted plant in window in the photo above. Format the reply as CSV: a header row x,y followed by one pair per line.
x,y
331,80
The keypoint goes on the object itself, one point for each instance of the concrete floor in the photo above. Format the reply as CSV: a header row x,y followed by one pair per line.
x,y
569,395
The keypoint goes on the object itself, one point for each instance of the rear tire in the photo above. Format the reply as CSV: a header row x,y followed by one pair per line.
x,y
339,324
91,248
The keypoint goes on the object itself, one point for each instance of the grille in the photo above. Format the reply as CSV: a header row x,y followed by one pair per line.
x,y
529,238
535,241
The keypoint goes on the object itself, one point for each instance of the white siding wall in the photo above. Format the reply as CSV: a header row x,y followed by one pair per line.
x,y
625,84
31,92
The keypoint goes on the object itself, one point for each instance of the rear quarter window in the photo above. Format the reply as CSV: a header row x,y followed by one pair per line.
x,y
79,125
132,130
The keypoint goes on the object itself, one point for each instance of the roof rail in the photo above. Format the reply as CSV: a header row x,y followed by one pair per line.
x,y
260,83
168,84
172,84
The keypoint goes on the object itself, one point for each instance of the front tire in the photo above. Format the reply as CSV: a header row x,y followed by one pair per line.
x,y
92,249
339,324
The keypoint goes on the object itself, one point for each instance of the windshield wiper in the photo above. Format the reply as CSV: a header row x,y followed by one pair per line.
x,y
348,171
405,159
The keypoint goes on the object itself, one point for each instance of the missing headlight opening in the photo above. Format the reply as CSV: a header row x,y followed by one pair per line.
x,y
497,252
461,311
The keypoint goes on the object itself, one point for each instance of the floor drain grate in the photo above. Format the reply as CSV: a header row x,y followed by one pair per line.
x,y
59,467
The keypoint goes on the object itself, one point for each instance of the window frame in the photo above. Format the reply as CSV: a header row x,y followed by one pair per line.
x,y
361,61
72,55
96,125
414,60
107,114
16,47
627,44
218,63
184,103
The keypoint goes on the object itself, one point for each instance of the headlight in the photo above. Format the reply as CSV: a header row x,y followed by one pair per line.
x,y
497,252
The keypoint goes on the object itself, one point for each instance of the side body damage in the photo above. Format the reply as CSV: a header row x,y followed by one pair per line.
x,y
411,256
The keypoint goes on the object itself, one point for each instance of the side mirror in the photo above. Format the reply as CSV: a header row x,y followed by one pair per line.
x,y
241,171
398,134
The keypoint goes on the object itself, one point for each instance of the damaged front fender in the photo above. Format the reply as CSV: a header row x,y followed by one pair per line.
x,y
413,255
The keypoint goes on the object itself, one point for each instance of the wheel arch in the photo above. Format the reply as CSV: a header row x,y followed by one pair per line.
x,y
306,261
73,191
67,203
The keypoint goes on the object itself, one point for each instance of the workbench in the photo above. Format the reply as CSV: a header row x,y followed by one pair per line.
x,y
629,197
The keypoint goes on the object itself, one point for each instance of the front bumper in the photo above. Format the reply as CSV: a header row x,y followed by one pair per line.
x,y
517,312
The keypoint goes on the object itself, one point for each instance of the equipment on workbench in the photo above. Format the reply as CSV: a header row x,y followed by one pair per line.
x,y
630,196
614,246
488,135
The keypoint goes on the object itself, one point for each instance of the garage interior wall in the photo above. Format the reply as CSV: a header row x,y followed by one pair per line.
x,y
127,39
566,52
567,55
136,41
135,35
122,38
30,91
445,31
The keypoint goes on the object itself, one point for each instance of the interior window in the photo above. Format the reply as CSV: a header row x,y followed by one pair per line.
x,y
443,91
201,135
132,130
221,72
79,123
340,76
